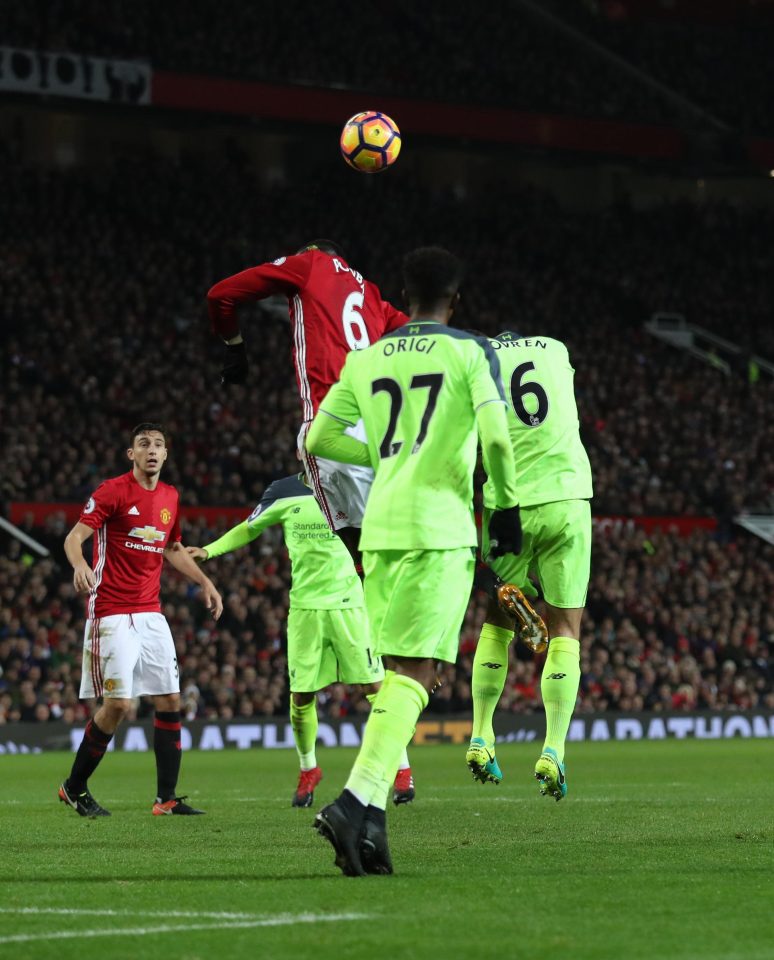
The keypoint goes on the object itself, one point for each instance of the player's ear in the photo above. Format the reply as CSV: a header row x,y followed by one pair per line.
x,y
455,302
130,453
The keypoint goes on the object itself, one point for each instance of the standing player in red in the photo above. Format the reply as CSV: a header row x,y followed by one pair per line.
x,y
333,310
128,650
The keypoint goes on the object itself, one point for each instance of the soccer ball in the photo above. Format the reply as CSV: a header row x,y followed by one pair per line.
x,y
370,141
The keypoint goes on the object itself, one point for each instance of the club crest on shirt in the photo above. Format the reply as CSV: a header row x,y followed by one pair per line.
x,y
165,515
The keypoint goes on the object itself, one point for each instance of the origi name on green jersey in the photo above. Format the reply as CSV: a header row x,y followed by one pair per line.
x,y
551,461
417,391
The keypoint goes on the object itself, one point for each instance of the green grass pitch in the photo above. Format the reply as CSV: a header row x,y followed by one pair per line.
x,y
661,850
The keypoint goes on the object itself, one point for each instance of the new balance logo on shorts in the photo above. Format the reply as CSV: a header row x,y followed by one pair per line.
x,y
492,666
556,676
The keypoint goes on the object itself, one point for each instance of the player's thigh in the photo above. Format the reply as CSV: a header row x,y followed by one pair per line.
x,y
111,652
341,489
346,488
157,671
563,551
512,568
350,635
417,599
311,659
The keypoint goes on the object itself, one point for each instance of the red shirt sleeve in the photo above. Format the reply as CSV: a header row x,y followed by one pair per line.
x,y
175,536
286,276
393,318
100,505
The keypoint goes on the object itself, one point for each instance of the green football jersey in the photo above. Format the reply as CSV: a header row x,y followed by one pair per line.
x,y
417,391
551,462
323,574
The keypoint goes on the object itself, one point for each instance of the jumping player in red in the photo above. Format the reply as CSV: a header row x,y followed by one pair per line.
x,y
128,650
333,310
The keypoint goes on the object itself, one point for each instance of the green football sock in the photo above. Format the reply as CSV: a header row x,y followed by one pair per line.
x,y
304,722
559,686
490,669
390,726
403,764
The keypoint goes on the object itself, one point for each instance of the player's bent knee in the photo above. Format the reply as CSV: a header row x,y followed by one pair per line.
x,y
420,669
497,617
112,712
302,699
167,702
564,622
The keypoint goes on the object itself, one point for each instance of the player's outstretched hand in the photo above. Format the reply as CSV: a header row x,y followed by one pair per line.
x,y
198,553
234,364
83,578
211,599
505,532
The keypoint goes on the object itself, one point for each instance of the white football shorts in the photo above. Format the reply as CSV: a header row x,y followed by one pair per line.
x,y
129,655
341,489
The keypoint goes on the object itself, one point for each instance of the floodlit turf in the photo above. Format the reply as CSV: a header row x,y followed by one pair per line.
x,y
660,851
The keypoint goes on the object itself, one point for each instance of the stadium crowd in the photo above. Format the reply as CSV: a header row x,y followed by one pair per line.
x,y
104,280
673,623
430,52
104,273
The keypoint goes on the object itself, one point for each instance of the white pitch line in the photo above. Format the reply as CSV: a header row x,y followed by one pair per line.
x,y
107,912
281,920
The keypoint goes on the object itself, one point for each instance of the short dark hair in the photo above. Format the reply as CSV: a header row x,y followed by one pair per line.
x,y
431,275
146,427
327,246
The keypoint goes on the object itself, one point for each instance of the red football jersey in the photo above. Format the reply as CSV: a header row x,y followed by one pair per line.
x,y
132,528
333,310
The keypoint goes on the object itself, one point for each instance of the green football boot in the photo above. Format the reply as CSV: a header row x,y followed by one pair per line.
x,y
549,773
481,762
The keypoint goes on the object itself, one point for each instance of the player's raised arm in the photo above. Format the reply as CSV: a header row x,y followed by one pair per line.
x,y
285,276
83,575
268,513
177,555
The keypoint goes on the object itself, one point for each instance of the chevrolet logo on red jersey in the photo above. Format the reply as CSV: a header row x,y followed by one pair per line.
x,y
147,534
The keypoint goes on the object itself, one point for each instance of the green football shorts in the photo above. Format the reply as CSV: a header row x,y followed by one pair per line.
x,y
416,600
330,646
557,547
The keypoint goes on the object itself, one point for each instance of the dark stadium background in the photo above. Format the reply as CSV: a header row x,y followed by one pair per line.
x,y
149,149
